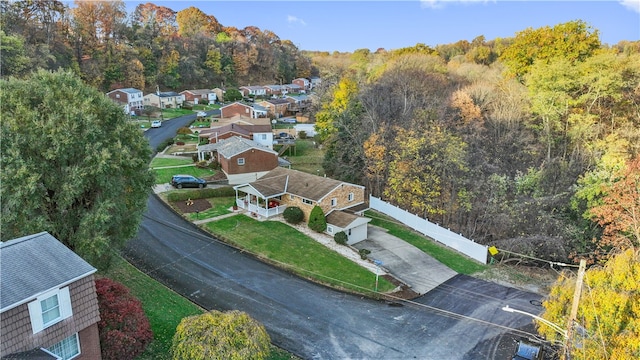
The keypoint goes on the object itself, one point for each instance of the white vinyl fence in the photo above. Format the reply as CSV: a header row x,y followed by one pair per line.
x,y
445,236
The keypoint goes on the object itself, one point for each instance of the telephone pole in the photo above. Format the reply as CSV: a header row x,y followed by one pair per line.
x,y
574,309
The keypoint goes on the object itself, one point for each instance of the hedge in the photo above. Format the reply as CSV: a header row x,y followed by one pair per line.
x,y
205,193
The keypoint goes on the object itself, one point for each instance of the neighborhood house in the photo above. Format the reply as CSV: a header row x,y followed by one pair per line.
x,y
48,301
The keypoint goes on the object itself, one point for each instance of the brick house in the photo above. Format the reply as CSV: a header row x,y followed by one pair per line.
x,y
276,108
258,130
304,84
237,109
241,159
275,90
256,90
48,302
282,187
131,99
164,100
196,96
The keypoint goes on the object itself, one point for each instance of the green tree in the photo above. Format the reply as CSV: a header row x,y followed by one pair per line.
x,y
13,60
71,164
293,214
609,310
232,95
317,221
215,335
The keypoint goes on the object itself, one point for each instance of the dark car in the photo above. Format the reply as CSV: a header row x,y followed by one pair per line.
x,y
180,181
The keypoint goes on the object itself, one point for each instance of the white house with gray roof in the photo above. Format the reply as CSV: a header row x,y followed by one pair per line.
x,y
48,301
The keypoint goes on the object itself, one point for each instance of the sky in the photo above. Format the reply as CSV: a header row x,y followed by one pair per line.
x,y
346,26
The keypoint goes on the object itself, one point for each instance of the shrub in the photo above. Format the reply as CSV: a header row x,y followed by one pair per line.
x,y
317,222
293,215
341,238
163,145
215,165
202,164
218,335
226,191
184,131
302,134
123,328
363,253
187,106
180,143
194,157
204,101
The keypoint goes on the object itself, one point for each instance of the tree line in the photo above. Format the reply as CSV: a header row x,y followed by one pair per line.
x,y
522,143
153,46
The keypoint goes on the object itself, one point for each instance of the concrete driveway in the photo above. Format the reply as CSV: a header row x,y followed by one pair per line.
x,y
404,261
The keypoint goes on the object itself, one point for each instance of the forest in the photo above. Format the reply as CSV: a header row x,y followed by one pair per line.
x,y
529,143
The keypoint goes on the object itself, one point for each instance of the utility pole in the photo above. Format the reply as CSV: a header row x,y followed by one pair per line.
x,y
574,310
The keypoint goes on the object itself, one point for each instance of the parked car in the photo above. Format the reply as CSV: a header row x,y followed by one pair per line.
x,y
284,135
289,121
180,181
201,114
156,123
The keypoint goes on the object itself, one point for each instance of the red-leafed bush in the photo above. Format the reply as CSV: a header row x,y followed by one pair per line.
x,y
124,328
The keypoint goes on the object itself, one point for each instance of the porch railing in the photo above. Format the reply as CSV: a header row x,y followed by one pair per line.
x,y
260,210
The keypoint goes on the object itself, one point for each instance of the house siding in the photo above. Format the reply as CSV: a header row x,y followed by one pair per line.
x,y
17,334
341,194
254,161
236,109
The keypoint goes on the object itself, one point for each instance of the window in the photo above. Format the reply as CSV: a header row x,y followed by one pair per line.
x,y
334,202
117,96
264,136
240,161
291,197
308,202
330,229
351,196
67,348
49,309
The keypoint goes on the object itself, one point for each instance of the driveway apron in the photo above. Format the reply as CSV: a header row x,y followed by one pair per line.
x,y
405,261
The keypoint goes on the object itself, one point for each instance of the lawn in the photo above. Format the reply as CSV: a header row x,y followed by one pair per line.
x,y
164,309
163,176
162,162
296,252
307,158
219,206
448,257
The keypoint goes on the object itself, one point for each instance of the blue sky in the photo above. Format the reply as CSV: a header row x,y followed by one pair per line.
x,y
346,26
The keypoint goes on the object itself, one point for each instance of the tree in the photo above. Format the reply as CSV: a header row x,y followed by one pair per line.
x,y
123,327
218,335
77,167
609,310
317,221
13,60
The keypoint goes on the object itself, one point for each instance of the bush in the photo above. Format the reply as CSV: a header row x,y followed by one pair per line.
x,y
187,106
204,102
226,191
302,134
363,253
184,131
293,215
180,143
123,328
215,165
341,238
317,221
202,164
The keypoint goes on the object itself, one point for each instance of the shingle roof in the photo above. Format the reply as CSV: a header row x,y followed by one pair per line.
x,y
198,91
127,90
345,220
34,264
281,180
237,145
277,101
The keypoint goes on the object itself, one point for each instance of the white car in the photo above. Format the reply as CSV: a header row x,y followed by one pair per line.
x,y
289,121
156,123
201,114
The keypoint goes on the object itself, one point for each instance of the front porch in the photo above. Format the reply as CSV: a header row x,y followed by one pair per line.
x,y
257,207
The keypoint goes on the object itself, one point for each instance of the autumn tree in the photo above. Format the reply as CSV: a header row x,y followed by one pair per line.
x,y
123,327
218,335
608,319
82,167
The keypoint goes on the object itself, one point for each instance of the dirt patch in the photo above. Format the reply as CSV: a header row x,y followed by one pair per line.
x,y
404,292
529,278
191,206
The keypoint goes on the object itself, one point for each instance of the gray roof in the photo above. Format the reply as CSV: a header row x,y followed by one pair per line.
x,y
34,264
168,94
127,90
236,145
198,91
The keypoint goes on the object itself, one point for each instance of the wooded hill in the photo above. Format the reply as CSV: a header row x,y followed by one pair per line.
x,y
530,144
152,46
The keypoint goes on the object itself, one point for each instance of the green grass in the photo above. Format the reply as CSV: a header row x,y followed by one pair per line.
x,y
162,162
450,258
286,246
163,176
219,206
307,158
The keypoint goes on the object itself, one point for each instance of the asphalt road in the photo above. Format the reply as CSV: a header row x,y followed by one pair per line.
x,y
460,319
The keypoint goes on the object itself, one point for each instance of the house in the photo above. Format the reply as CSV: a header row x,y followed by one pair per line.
x,y
275,90
48,301
164,100
260,111
196,96
294,88
277,108
258,130
253,90
298,103
131,99
237,109
281,187
304,84
219,93
241,159
315,81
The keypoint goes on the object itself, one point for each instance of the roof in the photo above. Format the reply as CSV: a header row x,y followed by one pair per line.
x,y
240,128
198,91
277,101
35,354
286,181
233,146
345,220
168,94
252,87
293,86
127,90
34,264
235,103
